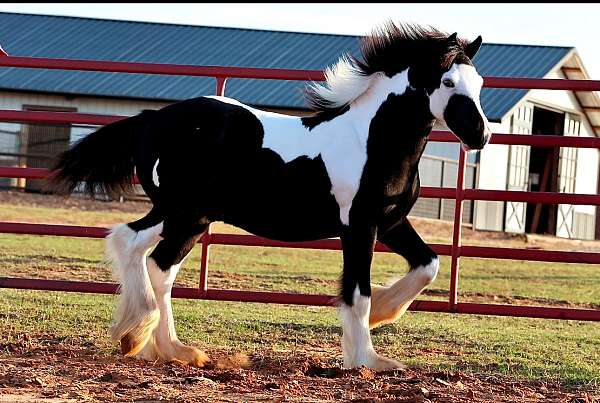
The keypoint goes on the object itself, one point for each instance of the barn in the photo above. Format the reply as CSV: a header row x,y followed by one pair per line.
x,y
498,167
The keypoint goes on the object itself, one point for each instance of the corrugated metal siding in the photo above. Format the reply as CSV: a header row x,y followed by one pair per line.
x,y
583,225
436,172
10,133
84,38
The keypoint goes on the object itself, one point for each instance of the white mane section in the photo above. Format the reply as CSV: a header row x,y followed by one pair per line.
x,y
344,83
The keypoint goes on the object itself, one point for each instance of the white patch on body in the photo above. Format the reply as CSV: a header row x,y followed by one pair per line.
x,y
341,142
155,174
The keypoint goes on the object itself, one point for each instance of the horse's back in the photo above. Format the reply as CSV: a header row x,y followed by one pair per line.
x,y
212,157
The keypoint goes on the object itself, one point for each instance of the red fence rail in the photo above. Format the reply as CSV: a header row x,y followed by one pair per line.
x,y
460,194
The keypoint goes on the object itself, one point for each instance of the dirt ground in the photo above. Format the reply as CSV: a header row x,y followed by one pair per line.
x,y
43,369
80,203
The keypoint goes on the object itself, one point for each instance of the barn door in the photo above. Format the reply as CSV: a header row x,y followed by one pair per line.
x,y
567,166
41,144
518,170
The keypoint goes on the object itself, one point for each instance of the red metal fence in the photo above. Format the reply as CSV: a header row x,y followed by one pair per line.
x,y
455,250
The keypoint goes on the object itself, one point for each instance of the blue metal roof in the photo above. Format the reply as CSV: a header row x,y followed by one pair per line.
x,y
97,39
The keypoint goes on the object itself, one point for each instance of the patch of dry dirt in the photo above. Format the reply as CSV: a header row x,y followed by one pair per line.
x,y
82,203
41,368
437,229
512,299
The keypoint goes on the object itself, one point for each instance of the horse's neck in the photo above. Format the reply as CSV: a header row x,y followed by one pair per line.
x,y
393,116
397,131
365,108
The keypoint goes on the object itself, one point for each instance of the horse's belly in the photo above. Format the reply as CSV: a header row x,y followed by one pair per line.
x,y
287,214
290,231
290,203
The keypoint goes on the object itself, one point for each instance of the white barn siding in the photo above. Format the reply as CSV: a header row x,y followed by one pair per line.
x,y
13,100
493,171
494,163
588,159
101,106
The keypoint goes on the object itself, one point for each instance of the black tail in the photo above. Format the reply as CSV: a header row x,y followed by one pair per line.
x,y
102,159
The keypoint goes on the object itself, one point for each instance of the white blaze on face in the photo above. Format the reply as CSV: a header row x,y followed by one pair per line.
x,y
466,81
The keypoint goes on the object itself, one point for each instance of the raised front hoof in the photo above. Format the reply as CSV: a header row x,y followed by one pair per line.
x,y
189,355
383,310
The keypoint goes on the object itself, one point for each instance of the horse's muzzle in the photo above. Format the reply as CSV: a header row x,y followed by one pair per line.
x,y
464,119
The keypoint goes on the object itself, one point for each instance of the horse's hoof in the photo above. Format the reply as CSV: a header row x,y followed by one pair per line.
x,y
126,345
379,363
132,345
191,356
148,353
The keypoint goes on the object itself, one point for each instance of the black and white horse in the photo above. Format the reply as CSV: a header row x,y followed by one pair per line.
x,y
348,171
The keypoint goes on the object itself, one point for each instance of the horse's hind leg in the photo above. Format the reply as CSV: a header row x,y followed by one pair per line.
x,y
389,303
179,237
137,314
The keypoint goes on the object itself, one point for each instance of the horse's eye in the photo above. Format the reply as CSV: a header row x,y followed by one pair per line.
x,y
448,83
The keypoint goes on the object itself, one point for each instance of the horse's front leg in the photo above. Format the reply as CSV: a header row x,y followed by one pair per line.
x,y
389,303
358,240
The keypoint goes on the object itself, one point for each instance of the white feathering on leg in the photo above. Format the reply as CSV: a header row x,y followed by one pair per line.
x,y
137,313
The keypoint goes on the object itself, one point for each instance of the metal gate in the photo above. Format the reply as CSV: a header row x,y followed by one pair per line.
x,y
459,194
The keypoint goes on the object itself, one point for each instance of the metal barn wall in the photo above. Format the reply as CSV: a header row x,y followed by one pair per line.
x,y
494,163
10,132
441,172
493,171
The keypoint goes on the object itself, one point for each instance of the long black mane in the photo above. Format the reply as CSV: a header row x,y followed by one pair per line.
x,y
391,49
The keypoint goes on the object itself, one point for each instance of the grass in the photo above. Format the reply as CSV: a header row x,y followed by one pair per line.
x,y
526,348
311,271
520,347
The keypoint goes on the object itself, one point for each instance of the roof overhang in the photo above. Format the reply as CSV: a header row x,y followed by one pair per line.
x,y
589,101
573,69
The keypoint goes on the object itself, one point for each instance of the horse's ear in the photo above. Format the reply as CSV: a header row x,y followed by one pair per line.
x,y
472,48
452,38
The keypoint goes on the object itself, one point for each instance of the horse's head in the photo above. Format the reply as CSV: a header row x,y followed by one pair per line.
x,y
454,99
408,58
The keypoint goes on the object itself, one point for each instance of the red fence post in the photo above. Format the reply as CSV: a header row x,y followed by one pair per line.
x,y
204,261
456,236
206,238
220,90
